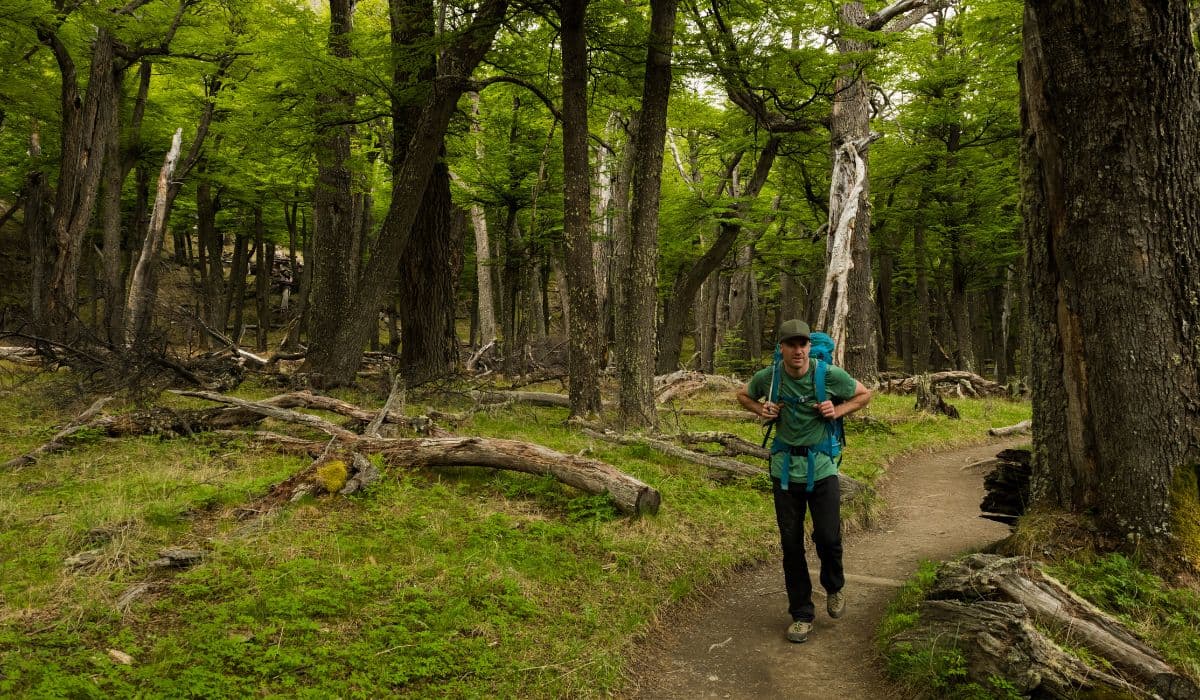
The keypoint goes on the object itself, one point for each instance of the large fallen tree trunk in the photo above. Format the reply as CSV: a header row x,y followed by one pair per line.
x,y
629,494
593,476
977,584
683,383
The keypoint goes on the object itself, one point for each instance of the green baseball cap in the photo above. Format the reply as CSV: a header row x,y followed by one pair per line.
x,y
792,329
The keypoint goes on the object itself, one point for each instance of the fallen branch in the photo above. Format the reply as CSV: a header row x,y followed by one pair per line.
x,y
684,383
954,380
275,412
58,442
728,465
593,476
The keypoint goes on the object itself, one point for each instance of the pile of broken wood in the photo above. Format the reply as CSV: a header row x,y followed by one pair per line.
x,y
992,611
951,383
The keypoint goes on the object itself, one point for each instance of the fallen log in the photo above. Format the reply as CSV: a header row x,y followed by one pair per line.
x,y
726,465
684,383
953,380
1021,428
630,495
991,578
999,640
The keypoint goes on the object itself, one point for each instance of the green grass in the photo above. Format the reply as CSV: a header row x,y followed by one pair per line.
x,y
461,582
1168,618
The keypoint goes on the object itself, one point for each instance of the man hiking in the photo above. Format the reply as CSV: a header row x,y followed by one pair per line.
x,y
805,398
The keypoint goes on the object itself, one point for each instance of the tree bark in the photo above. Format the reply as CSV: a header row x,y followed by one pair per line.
x,y
1111,183
429,284
486,304
335,356
635,328
582,314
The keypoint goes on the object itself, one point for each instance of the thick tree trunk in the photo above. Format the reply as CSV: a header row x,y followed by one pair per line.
x,y
36,194
87,125
922,330
485,302
429,284
584,323
113,326
236,298
636,326
334,291
1111,183
335,356
850,123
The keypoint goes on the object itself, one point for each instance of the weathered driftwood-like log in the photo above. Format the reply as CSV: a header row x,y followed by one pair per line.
x,y
684,383
998,640
946,381
20,355
988,577
1021,428
276,412
1006,487
733,444
59,441
737,415
593,476
537,398
724,464
307,399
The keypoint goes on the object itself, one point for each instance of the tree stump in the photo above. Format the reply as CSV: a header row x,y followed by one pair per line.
x,y
930,401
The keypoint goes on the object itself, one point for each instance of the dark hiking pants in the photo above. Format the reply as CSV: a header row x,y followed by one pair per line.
x,y
825,504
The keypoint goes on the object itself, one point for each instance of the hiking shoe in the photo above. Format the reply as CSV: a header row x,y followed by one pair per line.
x,y
798,631
835,604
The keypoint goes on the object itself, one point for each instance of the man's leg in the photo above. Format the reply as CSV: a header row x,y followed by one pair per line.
x,y
825,502
789,514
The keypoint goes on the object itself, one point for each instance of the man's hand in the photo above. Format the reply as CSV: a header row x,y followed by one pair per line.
x,y
827,410
768,410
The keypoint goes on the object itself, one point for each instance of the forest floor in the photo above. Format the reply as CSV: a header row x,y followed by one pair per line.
x,y
732,644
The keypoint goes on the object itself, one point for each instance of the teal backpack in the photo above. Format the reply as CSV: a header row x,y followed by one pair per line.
x,y
835,433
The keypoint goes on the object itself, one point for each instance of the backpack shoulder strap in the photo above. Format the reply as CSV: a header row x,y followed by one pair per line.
x,y
819,381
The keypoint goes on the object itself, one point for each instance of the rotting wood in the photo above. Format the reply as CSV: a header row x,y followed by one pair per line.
x,y
683,383
947,381
991,578
275,412
999,640
1006,487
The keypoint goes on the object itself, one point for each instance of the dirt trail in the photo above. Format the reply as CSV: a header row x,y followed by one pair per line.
x,y
735,647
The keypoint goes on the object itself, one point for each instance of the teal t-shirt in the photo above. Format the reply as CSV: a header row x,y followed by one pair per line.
x,y
801,424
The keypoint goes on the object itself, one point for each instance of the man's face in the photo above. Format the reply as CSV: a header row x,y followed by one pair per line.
x,y
795,353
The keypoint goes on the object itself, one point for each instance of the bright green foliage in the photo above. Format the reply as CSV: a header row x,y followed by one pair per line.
x,y
462,582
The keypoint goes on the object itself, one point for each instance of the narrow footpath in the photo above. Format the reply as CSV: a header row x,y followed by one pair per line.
x,y
734,646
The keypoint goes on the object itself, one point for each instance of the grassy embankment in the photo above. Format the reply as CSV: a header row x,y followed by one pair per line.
x,y
460,583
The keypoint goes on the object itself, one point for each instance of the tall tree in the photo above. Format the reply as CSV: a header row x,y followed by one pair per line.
x,y
340,331
850,309
583,318
636,347
1111,182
